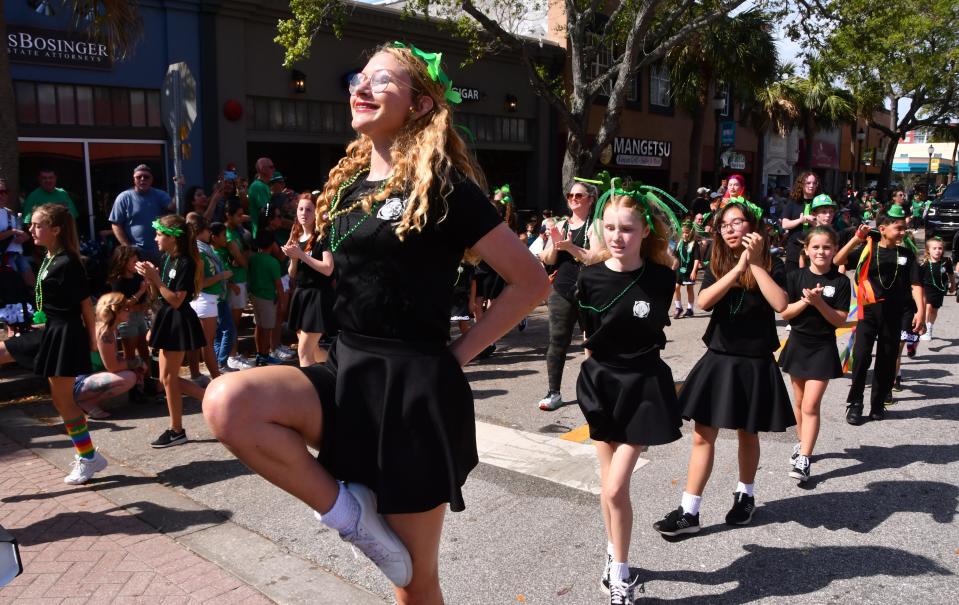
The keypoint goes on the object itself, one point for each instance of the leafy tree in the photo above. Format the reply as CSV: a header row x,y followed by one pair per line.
x,y
631,29
116,23
820,104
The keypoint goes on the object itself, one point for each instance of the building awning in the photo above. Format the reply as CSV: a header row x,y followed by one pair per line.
x,y
917,166
777,167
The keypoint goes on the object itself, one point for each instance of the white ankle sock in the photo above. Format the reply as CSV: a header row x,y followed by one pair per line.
x,y
689,305
690,503
619,571
344,514
678,304
609,549
745,488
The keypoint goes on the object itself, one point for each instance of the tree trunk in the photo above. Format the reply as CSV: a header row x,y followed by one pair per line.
x,y
695,178
886,172
9,156
759,167
577,161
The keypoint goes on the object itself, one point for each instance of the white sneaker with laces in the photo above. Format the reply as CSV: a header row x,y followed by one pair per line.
x,y
377,541
239,363
623,592
552,401
84,469
282,355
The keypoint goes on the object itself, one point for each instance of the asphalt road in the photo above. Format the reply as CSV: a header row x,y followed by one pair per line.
x,y
876,524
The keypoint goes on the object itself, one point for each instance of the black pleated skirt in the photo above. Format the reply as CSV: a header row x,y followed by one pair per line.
x,y
398,418
635,405
60,348
177,329
811,357
737,392
311,310
934,297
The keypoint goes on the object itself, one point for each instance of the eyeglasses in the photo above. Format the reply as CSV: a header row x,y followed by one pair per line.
x,y
378,81
577,196
732,225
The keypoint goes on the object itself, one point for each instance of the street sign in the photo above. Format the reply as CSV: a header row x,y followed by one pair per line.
x,y
178,105
934,165
727,133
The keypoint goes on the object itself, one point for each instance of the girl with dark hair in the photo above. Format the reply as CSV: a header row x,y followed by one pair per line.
x,y
176,328
124,278
390,412
61,350
797,216
736,384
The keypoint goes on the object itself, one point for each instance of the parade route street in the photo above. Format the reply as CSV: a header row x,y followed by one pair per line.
x,y
875,524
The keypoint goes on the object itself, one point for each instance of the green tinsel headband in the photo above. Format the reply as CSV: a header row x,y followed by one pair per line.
x,y
435,70
745,204
171,231
646,197
602,181
507,198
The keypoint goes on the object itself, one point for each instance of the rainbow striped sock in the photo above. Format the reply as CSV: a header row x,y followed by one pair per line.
x,y
80,436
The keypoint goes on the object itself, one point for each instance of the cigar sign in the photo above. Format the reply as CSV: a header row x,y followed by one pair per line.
x,y
58,48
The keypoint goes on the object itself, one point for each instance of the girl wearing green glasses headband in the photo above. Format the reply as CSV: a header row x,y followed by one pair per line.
x,y
397,213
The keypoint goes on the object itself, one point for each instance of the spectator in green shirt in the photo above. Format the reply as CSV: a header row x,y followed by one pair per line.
x,y
47,193
266,290
259,191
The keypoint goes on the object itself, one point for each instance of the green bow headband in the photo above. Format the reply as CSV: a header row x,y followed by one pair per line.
x,y
603,181
646,196
507,198
171,231
755,210
435,70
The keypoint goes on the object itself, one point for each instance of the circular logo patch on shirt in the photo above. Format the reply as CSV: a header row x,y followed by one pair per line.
x,y
172,273
392,209
641,308
902,260
829,291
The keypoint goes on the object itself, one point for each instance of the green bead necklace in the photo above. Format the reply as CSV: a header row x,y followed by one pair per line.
x,y
617,297
684,255
733,310
163,276
941,286
39,317
335,241
879,270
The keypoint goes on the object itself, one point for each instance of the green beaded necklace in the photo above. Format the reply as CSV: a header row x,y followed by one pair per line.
x,y
39,317
335,241
684,255
941,286
618,296
163,276
734,310
879,270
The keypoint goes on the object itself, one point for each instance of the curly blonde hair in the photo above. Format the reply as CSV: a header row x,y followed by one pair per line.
x,y
655,247
107,312
427,149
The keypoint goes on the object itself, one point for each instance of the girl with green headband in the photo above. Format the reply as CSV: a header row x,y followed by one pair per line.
x,y
390,413
61,351
687,264
736,384
176,328
625,390
938,279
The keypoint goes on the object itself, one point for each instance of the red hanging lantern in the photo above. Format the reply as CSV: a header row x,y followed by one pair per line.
x,y
232,110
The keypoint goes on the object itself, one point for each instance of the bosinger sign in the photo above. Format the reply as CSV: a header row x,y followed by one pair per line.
x,y
638,152
59,48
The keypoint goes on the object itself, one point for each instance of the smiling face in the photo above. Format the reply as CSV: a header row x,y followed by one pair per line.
x,y
824,215
820,250
381,115
733,226
893,232
578,197
623,232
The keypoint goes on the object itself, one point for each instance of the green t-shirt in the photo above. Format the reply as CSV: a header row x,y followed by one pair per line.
x,y
239,273
209,270
916,208
39,197
259,196
264,271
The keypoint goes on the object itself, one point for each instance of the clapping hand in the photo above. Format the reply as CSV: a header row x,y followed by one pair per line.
x,y
811,296
293,251
149,271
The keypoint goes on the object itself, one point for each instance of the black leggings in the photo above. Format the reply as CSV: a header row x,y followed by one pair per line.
x,y
563,315
879,325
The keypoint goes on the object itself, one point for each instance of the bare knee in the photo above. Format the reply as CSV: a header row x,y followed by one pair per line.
x,y
616,493
225,409
703,439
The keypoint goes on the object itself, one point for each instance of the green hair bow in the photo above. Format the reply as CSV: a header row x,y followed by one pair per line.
x,y
745,204
603,181
435,70
171,231
507,198
647,197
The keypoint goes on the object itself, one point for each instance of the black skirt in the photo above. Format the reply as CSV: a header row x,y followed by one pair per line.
x,y
398,418
177,329
490,285
810,357
311,310
61,348
934,296
460,311
737,392
635,405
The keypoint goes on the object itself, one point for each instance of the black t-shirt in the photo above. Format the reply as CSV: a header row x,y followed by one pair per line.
x,y
742,322
935,276
463,281
687,253
706,250
127,286
894,273
793,242
700,205
633,325
178,274
404,290
836,292
566,267
307,276
63,286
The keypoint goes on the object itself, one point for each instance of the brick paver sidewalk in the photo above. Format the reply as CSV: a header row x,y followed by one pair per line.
x,y
78,547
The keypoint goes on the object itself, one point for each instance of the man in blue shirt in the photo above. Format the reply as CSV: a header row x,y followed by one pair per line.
x,y
134,211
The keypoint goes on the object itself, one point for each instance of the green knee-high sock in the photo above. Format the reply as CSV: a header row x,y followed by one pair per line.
x,y
80,436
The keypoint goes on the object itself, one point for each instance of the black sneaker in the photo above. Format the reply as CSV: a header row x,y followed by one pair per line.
x,y
623,592
911,349
854,414
522,325
897,386
877,414
487,352
688,313
889,400
170,438
677,522
801,469
604,582
742,511
796,450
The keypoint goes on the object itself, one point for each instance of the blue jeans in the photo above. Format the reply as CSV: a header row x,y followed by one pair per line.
x,y
225,332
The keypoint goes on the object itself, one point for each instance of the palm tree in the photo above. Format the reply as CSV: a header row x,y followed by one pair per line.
x,y
738,51
770,109
116,23
821,105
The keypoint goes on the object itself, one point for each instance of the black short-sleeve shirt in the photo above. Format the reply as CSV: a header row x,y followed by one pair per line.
x,y
633,325
177,273
742,322
936,275
793,243
389,288
837,292
307,276
687,253
127,286
566,267
63,285
893,275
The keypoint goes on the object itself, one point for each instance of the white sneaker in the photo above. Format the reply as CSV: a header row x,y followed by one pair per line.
x,y
287,350
377,541
927,336
97,413
282,355
239,363
84,469
552,401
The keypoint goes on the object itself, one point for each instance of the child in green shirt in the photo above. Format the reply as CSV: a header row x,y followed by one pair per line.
x,y
266,290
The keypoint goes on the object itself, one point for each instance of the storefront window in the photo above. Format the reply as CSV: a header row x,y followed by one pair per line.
x,y
85,106
659,93
47,103
72,105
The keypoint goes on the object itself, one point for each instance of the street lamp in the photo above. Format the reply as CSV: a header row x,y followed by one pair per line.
x,y
931,151
861,137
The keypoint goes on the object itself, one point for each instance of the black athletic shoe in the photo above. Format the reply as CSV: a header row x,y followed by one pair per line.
x,y
677,522
604,582
522,324
889,400
877,414
801,469
688,313
487,352
623,592
169,438
854,414
911,349
897,386
742,511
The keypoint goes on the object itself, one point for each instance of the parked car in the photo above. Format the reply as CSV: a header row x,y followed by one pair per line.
x,y
942,218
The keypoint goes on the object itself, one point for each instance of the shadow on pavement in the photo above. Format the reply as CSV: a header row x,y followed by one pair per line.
x,y
766,572
478,375
872,458
202,472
